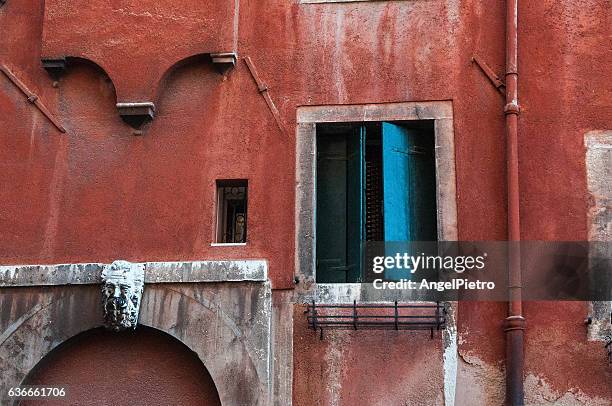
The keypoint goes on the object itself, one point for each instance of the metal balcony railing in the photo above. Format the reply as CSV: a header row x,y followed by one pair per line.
x,y
426,316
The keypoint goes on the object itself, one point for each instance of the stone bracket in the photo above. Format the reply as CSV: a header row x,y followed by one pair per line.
x,y
55,67
224,61
136,114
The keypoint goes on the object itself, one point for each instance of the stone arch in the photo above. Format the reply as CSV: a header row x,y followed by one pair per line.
x,y
154,368
237,365
192,313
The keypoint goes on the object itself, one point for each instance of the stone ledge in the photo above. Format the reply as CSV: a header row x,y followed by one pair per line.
x,y
343,293
397,111
155,272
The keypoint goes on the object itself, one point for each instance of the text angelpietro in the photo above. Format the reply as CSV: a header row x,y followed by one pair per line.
x,y
454,284
413,263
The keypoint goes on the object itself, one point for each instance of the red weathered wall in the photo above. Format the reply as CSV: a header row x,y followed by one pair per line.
x,y
98,193
365,367
139,41
565,92
144,367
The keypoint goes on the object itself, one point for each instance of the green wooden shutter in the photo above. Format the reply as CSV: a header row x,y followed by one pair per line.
x,y
331,221
355,202
340,206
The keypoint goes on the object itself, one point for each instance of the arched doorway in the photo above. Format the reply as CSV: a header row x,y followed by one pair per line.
x,y
142,367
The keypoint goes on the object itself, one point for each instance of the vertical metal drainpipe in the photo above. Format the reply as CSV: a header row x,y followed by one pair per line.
x,y
514,325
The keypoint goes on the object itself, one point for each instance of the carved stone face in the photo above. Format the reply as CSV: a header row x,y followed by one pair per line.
x,y
122,286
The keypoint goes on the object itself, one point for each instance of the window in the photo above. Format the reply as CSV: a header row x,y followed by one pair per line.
x,y
375,182
232,211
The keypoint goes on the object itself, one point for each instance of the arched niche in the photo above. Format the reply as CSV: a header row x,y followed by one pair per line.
x,y
145,366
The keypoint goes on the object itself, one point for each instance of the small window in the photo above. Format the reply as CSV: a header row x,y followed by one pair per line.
x,y
375,182
232,198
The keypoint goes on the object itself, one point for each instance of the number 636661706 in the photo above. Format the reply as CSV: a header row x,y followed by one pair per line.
x,y
37,391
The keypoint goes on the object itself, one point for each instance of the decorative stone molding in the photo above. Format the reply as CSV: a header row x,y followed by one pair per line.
x,y
249,270
122,286
220,309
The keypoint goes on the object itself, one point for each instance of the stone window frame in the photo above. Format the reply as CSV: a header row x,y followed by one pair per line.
x,y
441,112
597,144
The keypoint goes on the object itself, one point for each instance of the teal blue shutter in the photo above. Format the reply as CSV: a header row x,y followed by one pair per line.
x,y
409,188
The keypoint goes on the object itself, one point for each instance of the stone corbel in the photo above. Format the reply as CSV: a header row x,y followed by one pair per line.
x,y
136,114
224,61
55,67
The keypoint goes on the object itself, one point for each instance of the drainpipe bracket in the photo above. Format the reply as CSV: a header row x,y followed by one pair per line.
x,y
514,323
490,74
512,108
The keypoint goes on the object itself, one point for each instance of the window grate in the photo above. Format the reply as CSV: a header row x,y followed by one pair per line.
x,y
376,317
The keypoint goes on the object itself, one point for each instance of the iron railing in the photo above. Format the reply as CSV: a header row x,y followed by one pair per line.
x,y
422,316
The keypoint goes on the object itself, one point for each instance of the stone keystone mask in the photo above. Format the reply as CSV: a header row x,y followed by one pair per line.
x,y
122,286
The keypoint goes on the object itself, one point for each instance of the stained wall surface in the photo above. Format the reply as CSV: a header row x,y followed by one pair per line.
x,y
366,368
99,193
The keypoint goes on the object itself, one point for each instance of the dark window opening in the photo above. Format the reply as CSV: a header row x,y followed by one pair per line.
x,y
375,182
232,197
